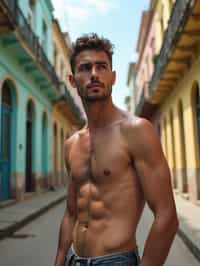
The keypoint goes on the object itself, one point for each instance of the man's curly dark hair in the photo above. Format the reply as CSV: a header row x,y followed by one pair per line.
x,y
90,41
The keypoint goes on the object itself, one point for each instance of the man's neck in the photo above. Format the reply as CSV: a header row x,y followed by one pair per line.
x,y
100,114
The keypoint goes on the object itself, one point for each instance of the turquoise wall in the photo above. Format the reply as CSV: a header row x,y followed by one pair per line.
x,y
43,11
26,88
19,67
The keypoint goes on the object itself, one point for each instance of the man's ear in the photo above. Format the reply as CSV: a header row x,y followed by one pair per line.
x,y
113,77
72,80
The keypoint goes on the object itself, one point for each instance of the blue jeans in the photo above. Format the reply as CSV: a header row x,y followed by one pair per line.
x,y
130,258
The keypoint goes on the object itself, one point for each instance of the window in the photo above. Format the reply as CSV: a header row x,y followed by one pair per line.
x,y
31,13
153,48
44,35
55,57
170,4
61,71
147,68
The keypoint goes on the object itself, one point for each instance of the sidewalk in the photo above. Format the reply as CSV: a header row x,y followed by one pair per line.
x,y
189,224
17,215
14,217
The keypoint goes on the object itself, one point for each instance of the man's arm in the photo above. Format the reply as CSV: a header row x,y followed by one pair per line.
x,y
67,224
154,176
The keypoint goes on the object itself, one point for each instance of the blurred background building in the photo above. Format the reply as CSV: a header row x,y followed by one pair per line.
x,y
38,110
167,80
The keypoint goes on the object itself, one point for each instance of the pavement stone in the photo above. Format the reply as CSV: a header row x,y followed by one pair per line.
x,y
189,224
17,215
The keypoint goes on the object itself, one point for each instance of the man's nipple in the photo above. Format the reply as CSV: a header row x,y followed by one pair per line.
x,y
106,172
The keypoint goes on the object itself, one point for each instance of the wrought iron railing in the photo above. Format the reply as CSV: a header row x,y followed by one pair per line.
x,y
175,26
18,19
140,104
72,105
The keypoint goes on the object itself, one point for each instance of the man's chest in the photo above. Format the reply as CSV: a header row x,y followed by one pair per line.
x,y
100,158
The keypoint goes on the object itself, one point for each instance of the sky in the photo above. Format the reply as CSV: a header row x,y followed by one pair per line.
x,y
117,20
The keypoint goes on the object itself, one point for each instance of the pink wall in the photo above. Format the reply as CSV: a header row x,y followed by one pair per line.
x,y
145,66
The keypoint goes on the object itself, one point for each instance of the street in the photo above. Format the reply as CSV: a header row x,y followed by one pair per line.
x,y
36,243
179,254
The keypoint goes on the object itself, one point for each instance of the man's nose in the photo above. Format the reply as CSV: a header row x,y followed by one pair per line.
x,y
94,72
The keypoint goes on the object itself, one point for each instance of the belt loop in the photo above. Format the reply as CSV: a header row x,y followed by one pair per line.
x,y
89,262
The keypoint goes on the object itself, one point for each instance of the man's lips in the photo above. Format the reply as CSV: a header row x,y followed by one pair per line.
x,y
95,85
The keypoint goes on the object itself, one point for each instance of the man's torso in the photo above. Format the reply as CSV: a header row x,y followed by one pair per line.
x,y
109,200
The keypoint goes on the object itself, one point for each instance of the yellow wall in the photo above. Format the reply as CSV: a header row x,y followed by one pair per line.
x,y
63,50
60,117
62,124
183,93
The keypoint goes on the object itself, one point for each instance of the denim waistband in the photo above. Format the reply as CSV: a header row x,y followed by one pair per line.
x,y
120,259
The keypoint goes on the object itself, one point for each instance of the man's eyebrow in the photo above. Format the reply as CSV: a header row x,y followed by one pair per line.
x,y
85,63
101,62
96,62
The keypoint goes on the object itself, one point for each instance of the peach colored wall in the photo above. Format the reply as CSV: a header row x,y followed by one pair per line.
x,y
145,66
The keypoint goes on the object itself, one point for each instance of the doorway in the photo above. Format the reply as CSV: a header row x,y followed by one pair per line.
x,y
6,133
29,147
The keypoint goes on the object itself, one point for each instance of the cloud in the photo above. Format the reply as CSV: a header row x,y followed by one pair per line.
x,y
102,6
79,11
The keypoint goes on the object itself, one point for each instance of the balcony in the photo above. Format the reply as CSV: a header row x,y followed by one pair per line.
x,y
180,46
16,31
140,105
144,108
67,104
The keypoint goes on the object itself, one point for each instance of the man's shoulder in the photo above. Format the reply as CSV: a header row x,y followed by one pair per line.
x,y
138,132
135,124
141,137
74,138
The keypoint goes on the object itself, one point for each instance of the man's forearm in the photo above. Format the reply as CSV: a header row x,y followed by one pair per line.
x,y
65,239
159,241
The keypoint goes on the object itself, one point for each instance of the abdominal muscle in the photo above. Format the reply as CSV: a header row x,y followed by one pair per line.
x,y
103,224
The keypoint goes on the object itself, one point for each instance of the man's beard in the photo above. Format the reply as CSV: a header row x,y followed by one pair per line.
x,y
96,97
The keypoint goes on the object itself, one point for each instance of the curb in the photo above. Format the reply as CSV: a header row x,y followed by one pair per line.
x,y
190,245
14,227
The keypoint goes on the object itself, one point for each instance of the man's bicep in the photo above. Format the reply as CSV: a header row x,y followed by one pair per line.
x,y
156,184
153,171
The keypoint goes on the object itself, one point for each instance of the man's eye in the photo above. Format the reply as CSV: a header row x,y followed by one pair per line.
x,y
85,68
102,66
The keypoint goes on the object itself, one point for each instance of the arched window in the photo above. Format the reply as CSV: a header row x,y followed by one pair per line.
x,y
183,145
173,148
6,120
29,146
198,111
6,95
55,150
44,147
165,138
8,134
62,155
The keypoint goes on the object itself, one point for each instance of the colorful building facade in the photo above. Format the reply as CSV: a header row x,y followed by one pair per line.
x,y
174,88
132,87
29,86
147,51
64,121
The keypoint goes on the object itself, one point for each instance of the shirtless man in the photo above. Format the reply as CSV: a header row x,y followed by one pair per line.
x,y
115,165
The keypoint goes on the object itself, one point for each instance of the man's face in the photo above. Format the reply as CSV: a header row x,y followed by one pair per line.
x,y
93,76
